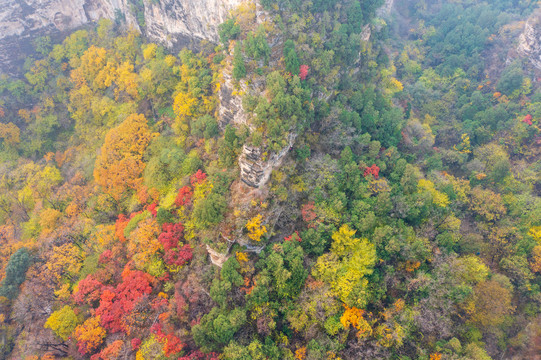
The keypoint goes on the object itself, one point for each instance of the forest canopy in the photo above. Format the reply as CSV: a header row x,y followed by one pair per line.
x,y
326,180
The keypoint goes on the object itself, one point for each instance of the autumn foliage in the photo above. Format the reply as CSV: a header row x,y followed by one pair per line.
x,y
303,71
353,317
170,238
120,163
129,226
116,302
89,335
184,196
255,229
371,170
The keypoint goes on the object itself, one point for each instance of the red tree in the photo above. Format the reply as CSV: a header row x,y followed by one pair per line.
x,y
294,236
171,235
303,71
198,177
172,344
88,290
170,238
184,196
115,303
152,209
179,257
135,343
308,213
374,170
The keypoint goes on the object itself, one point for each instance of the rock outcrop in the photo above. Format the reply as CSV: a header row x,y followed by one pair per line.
x,y
256,171
230,110
217,258
170,21
174,23
530,40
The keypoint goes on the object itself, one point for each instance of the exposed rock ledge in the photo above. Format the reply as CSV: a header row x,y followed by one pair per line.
x,y
254,171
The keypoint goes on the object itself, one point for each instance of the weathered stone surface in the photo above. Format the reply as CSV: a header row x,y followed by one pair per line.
x,y
230,110
217,258
254,171
196,19
174,23
530,40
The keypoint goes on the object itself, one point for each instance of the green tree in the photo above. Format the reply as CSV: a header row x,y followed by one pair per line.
x,y
209,211
228,30
256,45
291,58
16,269
218,328
239,69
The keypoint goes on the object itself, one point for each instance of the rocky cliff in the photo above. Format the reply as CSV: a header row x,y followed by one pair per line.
x,y
255,169
173,23
530,40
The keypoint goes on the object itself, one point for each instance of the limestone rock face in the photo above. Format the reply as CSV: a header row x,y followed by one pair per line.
x,y
254,171
169,21
230,110
530,40
174,23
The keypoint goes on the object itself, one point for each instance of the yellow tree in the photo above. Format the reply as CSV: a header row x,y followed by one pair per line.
x,y
62,322
126,80
487,203
149,51
346,266
10,134
49,220
490,303
120,164
143,243
438,198
535,232
343,240
355,317
535,263
255,229
89,335
106,76
92,62
184,106
64,260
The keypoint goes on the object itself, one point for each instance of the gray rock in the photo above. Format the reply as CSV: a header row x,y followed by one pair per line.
x,y
254,171
529,44
173,23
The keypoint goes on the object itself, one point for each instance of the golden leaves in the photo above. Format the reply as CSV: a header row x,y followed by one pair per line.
x,y
355,318
89,335
438,198
255,229
120,163
10,134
